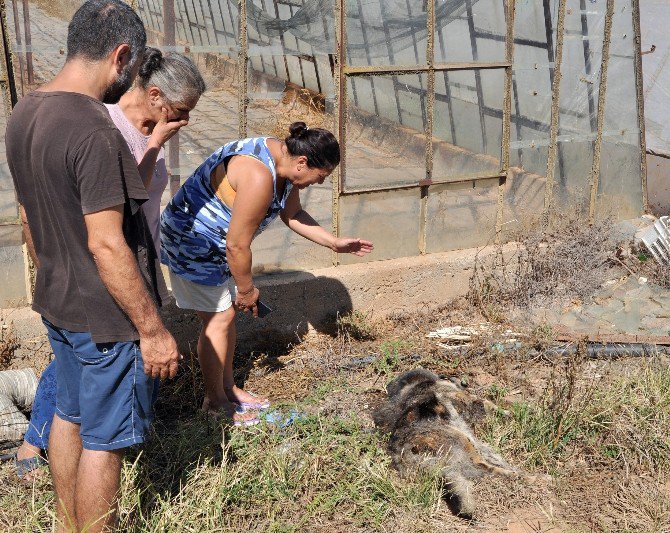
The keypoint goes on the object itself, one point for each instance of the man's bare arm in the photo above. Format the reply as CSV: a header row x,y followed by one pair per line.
x,y
120,274
28,236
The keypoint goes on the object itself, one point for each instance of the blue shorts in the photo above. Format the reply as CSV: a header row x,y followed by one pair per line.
x,y
103,388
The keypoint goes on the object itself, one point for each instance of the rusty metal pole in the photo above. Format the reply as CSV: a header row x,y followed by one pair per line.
x,y
340,113
10,97
430,106
243,70
602,102
8,82
169,40
507,118
17,25
29,41
555,112
640,103
169,37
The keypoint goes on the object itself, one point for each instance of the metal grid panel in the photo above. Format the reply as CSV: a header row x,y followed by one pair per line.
x,y
522,83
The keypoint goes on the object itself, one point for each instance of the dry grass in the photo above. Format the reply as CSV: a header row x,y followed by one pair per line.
x,y
566,260
638,261
62,9
601,429
296,104
8,343
604,420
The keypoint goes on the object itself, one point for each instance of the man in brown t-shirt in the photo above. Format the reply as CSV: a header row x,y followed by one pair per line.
x,y
98,281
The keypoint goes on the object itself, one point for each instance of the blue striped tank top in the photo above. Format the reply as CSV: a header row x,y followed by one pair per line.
x,y
195,223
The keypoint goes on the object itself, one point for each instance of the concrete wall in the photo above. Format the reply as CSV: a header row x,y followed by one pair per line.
x,y
12,269
312,300
658,184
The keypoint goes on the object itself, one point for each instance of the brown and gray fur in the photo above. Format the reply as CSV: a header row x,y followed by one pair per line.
x,y
429,421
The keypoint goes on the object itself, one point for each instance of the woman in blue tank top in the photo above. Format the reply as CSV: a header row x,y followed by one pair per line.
x,y
206,234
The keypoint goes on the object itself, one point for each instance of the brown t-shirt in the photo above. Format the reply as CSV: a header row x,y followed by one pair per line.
x,y
68,159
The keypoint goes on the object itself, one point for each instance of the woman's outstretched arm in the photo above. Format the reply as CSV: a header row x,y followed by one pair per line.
x,y
300,221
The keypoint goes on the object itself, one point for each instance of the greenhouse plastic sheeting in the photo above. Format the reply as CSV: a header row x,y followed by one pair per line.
x,y
619,195
655,20
293,67
460,214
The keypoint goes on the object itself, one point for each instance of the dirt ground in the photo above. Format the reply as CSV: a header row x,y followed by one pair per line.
x,y
590,476
592,432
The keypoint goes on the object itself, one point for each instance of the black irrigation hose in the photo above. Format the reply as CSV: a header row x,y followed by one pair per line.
x,y
596,350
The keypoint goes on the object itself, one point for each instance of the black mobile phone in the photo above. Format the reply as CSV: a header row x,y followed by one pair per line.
x,y
263,310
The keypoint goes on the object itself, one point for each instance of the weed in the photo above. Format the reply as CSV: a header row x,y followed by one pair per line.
x,y
496,393
589,425
296,103
625,421
323,469
389,357
541,336
323,389
357,325
8,343
567,259
639,262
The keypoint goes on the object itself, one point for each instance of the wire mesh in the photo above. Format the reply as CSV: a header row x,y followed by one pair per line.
x,y
439,117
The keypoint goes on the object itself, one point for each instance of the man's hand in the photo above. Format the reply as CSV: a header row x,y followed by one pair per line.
x,y
160,354
346,245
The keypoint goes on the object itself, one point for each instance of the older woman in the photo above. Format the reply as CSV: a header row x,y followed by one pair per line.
x,y
168,88
206,234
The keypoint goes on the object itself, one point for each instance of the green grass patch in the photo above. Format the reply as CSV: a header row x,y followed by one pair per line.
x,y
318,470
625,419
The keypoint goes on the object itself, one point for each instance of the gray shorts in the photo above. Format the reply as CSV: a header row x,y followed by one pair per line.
x,y
198,297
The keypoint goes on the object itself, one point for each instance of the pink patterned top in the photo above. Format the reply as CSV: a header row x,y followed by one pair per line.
x,y
138,142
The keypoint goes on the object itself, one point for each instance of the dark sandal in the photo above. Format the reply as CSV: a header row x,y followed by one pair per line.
x,y
25,466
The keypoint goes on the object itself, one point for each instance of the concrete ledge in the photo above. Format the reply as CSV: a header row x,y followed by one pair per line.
x,y
305,300
658,186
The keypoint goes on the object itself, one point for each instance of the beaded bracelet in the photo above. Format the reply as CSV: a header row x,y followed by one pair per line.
x,y
240,293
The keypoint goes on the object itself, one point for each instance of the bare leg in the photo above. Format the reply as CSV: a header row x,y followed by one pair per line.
x,y
97,489
64,454
216,347
27,450
233,392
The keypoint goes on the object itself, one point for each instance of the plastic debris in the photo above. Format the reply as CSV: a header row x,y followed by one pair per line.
x,y
656,239
17,392
281,419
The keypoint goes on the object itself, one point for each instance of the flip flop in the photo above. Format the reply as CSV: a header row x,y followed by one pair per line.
x,y
25,466
237,423
257,406
244,423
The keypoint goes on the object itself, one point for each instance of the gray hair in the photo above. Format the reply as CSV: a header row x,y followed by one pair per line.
x,y
174,74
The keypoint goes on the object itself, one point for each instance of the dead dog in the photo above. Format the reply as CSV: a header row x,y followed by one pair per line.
x,y
429,421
